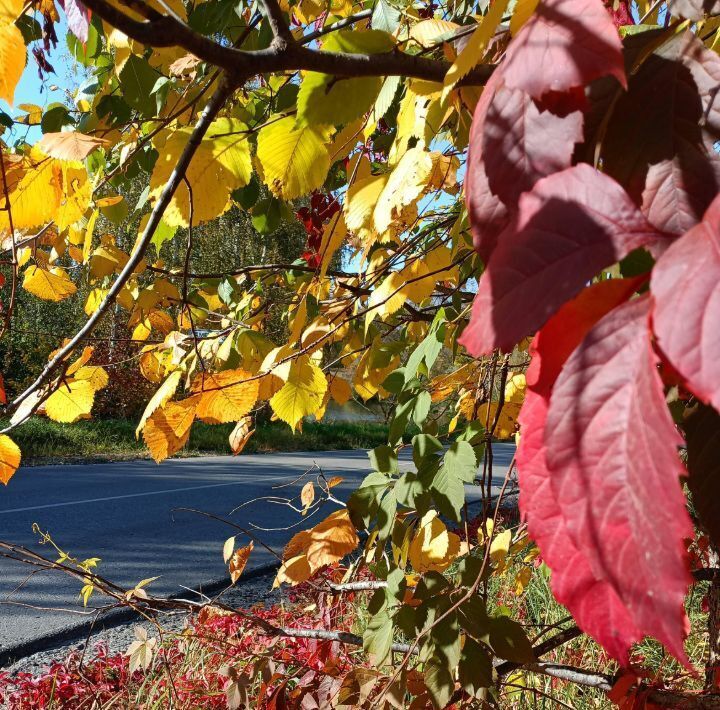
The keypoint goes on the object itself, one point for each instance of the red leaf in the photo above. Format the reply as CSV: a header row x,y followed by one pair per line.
x,y
522,144
659,144
686,288
579,591
570,226
488,215
611,456
565,44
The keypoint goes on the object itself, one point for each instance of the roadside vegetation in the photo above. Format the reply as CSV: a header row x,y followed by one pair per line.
x,y
45,441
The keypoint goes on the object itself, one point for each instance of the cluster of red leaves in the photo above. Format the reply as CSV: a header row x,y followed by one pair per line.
x,y
281,670
598,464
69,684
314,217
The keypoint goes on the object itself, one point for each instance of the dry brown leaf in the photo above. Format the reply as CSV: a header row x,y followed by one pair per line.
x,y
70,145
241,434
238,561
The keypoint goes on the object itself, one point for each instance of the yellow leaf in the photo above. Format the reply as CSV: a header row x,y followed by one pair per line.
x,y
293,571
70,145
522,579
333,236
12,61
161,396
241,434
362,196
340,390
168,429
427,32
405,184
10,10
238,561
225,396
433,548
228,549
523,10
307,495
507,421
50,285
94,374
302,394
71,401
295,161
477,44
499,546
94,299
515,389
9,458
220,165
331,540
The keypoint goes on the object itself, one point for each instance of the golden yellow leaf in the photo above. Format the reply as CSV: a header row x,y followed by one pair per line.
x,y
70,145
406,183
293,571
477,44
12,60
340,390
241,434
302,394
238,561
10,10
331,539
433,548
225,396
9,458
507,421
161,396
500,546
94,374
71,401
50,285
523,10
515,389
220,165
295,161
297,545
333,236
168,429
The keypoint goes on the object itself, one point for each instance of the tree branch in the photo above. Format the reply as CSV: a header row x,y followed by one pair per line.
x,y
166,31
278,24
211,110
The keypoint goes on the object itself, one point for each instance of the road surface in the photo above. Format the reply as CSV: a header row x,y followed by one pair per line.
x,y
124,514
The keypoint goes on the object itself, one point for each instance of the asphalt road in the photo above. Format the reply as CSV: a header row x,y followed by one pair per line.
x,y
124,513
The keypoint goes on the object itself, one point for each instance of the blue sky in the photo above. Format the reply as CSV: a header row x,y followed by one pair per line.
x,y
33,91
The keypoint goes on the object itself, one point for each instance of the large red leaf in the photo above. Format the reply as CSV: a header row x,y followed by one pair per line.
x,y
611,456
522,144
488,214
570,226
686,287
564,45
580,591
659,144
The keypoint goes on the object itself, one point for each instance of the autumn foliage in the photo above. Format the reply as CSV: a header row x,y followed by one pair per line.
x,y
512,216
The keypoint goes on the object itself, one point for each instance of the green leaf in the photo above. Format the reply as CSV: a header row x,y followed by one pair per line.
x,y
448,486
326,99
378,638
137,80
384,459
439,681
163,233
475,668
386,515
509,641
55,118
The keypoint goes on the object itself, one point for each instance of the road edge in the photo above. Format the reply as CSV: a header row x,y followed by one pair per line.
x,y
113,618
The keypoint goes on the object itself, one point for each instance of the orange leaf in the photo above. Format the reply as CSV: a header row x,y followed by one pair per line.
x,y
238,561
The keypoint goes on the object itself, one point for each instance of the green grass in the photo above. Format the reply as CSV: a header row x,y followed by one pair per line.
x,y
43,440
